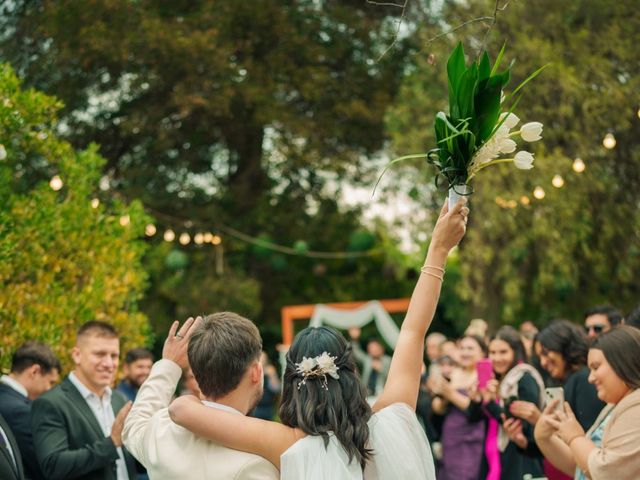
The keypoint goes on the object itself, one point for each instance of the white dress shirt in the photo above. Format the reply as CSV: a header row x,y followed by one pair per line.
x,y
102,410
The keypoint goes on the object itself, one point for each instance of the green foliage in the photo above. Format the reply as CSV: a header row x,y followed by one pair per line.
x,y
62,262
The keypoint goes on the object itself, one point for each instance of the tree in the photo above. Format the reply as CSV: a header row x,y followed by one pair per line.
x,y
525,258
64,259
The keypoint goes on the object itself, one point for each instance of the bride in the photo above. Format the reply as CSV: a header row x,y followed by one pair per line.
x,y
328,430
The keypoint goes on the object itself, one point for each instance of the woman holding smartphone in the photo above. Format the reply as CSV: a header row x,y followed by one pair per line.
x,y
611,448
510,447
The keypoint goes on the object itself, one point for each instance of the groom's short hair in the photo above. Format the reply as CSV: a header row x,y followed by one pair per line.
x,y
220,351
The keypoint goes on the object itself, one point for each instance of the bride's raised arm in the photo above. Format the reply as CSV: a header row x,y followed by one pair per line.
x,y
232,430
403,381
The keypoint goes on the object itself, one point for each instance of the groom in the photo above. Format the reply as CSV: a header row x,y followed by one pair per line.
x,y
223,351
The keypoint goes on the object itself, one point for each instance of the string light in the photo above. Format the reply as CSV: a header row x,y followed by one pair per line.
x,y
578,165
169,235
538,192
95,203
216,240
557,181
524,200
184,239
125,220
609,141
639,113
150,230
198,238
56,183
512,204
208,237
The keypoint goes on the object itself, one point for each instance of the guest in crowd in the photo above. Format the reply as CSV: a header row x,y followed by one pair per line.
x,y
633,318
135,370
265,409
34,370
479,328
528,332
77,425
611,448
374,364
510,446
601,319
433,344
11,467
462,435
563,353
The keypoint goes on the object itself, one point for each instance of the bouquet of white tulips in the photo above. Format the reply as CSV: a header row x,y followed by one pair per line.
x,y
477,133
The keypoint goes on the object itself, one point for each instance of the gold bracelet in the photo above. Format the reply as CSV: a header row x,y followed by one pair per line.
x,y
433,275
425,267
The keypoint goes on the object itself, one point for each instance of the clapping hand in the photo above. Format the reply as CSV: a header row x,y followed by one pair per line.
x,y
567,426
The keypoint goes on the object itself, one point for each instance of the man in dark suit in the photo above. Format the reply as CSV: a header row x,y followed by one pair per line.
x,y
77,425
10,458
34,370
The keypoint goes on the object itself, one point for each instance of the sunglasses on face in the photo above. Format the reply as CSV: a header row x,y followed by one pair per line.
x,y
595,328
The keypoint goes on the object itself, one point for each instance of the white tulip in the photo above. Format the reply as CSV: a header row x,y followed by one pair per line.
x,y
3,152
508,146
523,160
511,121
531,132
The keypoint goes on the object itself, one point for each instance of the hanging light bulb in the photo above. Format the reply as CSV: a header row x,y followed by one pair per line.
x,y
538,192
56,183
639,113
208,237
198,238
125,220
578,165
524,200
184,239
609,141
169,235
95,203
150,230
557,181
216,240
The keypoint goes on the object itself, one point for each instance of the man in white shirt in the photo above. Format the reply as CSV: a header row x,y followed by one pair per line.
x,y
76,433
34,370
223,350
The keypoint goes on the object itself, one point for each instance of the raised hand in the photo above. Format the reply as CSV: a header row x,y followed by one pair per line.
x,y
526,410
544,426
567,426
451,226
513,428
177,343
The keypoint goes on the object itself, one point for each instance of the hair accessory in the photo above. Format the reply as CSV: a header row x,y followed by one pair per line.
x,y
319,366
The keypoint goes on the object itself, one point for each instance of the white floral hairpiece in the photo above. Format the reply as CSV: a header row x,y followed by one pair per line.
x,y
319,366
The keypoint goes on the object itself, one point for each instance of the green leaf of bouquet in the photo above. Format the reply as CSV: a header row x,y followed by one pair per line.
x,y
484,70
466,90
527,80
396,160
498,59
455,69
487,105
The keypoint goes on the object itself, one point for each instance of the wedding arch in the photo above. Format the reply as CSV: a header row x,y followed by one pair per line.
x,y
345,315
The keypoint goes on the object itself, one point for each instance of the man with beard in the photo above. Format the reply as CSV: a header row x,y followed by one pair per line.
x,y
136,368
223,350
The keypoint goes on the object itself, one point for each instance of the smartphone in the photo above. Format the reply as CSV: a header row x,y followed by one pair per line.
x,y
484,369
554,393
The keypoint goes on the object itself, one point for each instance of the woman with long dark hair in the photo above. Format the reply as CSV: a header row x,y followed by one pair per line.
x,y
612,448
510,446
328,431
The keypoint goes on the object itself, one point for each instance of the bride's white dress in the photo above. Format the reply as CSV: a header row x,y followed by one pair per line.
x,y
400,451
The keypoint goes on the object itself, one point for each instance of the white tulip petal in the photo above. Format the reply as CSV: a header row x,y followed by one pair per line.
x,y
523,160
531,132
508,146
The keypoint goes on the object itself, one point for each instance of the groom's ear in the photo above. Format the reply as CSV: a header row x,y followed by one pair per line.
x,y
257,372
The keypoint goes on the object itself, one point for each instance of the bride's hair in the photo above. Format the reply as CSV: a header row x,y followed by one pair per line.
x,y
338,406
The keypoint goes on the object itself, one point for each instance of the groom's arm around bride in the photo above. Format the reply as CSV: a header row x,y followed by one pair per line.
x,y
167,450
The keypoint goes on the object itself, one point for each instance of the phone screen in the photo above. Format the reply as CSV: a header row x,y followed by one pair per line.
x,y
484,368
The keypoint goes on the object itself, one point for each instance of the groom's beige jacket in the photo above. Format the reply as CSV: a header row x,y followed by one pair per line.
x,y
171,452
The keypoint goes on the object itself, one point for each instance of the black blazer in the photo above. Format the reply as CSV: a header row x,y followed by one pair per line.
x,y
8,469
16,410
68,440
